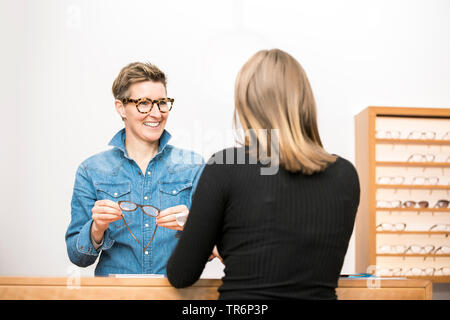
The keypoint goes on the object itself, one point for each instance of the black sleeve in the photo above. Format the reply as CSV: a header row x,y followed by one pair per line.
x,y
354,185
203,227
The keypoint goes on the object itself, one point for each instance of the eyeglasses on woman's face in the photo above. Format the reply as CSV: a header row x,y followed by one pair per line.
x,y
145,105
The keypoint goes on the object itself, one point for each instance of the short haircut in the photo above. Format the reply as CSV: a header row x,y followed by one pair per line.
x,y
133,73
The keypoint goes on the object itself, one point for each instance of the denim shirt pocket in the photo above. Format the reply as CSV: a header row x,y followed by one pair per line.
x,y
115,192
174,193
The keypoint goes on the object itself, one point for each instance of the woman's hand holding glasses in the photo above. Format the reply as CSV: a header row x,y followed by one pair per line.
x,y
103,213
173,218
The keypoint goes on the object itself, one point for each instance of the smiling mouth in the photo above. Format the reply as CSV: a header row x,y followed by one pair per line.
x,y
152,124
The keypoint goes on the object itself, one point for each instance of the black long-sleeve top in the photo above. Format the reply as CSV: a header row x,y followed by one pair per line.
x,y
281,236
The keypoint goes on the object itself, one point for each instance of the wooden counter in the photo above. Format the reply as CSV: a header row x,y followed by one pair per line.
x,y
99,288
385,289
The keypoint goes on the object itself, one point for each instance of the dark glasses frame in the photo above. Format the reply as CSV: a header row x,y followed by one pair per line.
x,y
412,204
442,204
142,209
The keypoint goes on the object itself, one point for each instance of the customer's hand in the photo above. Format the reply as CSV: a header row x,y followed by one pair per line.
x,y
173,218
103,213
215,254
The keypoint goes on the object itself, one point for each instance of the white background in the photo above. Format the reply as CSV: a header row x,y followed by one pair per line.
x,y
59,59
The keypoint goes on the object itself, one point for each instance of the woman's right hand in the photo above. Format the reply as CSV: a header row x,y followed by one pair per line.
x,y
215,254
103,213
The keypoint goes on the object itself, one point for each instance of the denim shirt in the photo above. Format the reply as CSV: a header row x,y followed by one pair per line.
x,y
170,179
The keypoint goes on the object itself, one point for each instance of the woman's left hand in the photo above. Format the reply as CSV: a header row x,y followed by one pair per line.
x,y
173,218
215,254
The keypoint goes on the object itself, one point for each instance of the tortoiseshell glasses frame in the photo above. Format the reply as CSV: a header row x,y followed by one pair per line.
x,y
151,211
145,105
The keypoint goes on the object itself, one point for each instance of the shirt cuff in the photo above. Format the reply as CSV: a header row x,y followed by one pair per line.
x,y
85,244
95,244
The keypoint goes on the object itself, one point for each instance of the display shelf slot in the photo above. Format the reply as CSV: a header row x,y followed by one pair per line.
x,y
414,141
415,255
412,164
415,209
415,232
411,186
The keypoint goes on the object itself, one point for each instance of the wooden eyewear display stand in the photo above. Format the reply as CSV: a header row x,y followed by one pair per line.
x,y
388,141
108,288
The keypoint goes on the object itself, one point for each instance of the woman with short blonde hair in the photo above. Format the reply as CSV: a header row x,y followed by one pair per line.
x,y
122,195
280,235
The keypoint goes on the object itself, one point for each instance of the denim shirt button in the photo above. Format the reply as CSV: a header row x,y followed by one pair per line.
x,y
145,198
146,252
174,191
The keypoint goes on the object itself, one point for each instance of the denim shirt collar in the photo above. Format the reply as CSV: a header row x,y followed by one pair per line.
x,y
118,141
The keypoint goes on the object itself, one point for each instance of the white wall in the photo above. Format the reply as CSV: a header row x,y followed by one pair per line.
x,y
59,59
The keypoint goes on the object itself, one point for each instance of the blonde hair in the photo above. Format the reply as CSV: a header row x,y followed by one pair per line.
x,y
133,73
273,92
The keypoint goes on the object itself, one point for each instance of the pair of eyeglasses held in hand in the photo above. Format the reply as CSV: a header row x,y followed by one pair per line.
x,y
149,210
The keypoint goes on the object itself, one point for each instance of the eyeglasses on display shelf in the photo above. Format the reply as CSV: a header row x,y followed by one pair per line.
x,y
441,204
414,204
442,250
413,271
421,135
392,249
419,180
391,180
400,226
403,159
389,272
440,227
420,249
383,204
414,249
430,181
428,271
419,157
410,204
411,135
388,134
